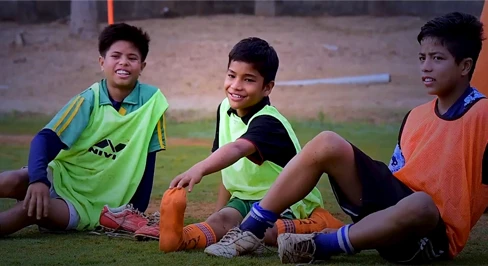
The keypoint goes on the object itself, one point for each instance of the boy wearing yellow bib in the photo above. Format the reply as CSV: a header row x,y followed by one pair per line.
x,y
98,150
252,145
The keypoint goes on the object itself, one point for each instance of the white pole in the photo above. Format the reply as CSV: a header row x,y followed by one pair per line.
x,y
367,79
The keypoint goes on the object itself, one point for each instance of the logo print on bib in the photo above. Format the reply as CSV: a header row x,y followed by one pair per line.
x,y
99,149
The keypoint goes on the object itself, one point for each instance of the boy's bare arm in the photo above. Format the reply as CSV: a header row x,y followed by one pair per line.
x,y
220,159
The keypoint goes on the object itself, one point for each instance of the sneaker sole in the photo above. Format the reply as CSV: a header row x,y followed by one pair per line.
x,y
140,237
111,233
120,231
219,256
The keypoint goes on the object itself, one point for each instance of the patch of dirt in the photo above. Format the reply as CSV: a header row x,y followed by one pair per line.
x,y
188,59
15,139
196,210
189,142
26,139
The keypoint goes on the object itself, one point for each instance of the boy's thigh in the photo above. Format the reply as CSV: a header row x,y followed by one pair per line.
x,y
14,183
434,246
74,217
380,188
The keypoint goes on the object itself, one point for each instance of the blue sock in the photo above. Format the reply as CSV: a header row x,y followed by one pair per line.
x,y
333,243
258,220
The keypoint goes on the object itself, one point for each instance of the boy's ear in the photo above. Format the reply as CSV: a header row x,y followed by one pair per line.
x,y
268,88
101,60
143,65
466,65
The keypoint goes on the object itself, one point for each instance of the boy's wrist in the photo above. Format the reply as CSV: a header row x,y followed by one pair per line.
x,y
199,169
45,181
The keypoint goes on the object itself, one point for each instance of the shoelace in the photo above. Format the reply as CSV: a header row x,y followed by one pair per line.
x,y
136,211
234,233
231,235
153,219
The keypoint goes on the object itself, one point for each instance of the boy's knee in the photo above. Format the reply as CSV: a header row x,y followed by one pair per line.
x,y
420,208
13,182
215,218
330,144
224,219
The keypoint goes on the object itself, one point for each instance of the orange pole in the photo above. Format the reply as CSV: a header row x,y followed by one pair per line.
x,y
110,11
480,76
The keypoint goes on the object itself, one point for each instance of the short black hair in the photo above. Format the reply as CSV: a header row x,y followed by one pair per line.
x,y
123,32
460,33
259,53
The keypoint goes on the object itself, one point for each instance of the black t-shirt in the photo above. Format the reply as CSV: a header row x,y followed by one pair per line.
x,y
268,135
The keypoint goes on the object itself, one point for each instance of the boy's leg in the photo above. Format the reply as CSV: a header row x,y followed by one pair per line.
x,y
174,236
16,218
14,184
409,232
326,153
362,185
413,216
390,217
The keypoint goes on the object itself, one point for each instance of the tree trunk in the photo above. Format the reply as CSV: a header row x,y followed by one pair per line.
x,y
84,19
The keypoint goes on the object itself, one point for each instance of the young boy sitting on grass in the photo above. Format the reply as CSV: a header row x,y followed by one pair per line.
x,y
253,143
100,149
422,207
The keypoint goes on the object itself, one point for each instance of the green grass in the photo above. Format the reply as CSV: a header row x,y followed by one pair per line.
x,y
29,247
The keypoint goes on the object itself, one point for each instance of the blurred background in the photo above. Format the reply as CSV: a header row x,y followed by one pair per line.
x,y
49,52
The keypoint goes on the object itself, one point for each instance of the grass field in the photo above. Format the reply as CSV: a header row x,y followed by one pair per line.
x,y
29,247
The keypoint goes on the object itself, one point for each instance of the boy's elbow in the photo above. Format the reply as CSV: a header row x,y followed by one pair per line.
x,y
244,147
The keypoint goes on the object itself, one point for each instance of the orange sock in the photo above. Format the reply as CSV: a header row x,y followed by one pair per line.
x,y
172,235
318,221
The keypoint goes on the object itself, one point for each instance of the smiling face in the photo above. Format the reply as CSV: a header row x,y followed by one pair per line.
x,y
244,87
440,72
122,65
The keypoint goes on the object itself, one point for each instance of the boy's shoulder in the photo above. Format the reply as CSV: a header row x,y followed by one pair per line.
x,y
146,91
481,108
88,96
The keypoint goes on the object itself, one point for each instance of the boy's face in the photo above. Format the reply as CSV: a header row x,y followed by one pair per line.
x,y
244,86
439,71
122,65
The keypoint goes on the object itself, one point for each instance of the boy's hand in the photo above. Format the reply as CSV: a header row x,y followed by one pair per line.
x,y
37,200
189,178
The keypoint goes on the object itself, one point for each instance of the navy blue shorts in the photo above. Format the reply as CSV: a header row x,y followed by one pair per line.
x,y
381,190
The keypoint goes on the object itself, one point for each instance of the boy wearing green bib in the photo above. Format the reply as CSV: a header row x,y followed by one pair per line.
x,y
99,150
253,143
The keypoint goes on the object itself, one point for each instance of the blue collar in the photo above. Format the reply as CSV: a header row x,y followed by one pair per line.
x,y
461,106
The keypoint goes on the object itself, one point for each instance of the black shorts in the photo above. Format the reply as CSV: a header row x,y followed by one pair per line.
x,y
382,190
